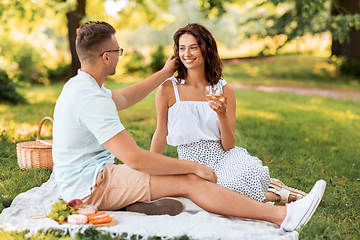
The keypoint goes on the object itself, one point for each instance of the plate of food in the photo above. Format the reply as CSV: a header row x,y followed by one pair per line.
x,y
100,219
75,212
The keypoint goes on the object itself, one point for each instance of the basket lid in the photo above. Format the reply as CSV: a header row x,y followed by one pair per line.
x,y
40,144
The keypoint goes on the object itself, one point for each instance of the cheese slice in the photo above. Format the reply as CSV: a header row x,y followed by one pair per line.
x,y
77,219
87,210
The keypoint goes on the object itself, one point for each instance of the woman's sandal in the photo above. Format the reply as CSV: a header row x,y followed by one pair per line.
x,y
279,188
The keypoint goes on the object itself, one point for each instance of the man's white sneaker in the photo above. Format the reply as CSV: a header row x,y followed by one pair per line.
x,y
298,213
167,205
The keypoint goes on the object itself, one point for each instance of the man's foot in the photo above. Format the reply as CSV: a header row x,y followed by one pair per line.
x,y
298,213
168,205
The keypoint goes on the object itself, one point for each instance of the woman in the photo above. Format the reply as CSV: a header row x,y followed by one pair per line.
x,y
204,131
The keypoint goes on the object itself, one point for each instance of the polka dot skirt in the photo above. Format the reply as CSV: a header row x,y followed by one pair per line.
x,y
236,169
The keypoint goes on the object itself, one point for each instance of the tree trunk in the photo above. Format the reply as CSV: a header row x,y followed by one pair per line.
x,y
74,18
349,49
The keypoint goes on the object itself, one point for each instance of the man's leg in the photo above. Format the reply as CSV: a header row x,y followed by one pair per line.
x,y
214,198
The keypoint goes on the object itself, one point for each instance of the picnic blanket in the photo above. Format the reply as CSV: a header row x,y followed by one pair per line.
x,y
194,222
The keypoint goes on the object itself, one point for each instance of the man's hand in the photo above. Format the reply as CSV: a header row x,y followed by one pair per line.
x,y
127,97
169,67
124,147
206,173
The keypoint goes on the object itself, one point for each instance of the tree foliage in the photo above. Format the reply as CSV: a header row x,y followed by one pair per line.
x,y
294,18
8,91
262,18
135,13
26,15
286,20
158,58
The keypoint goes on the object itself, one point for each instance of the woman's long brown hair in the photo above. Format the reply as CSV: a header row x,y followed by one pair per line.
x,y
207,44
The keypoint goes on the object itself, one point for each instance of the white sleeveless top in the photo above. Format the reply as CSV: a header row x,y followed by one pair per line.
x,y
191,121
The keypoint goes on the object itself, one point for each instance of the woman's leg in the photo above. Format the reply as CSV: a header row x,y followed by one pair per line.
x,y
214,198
278,191
273,197
236,169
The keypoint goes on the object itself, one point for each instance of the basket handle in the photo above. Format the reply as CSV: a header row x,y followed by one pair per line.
x,y
40,125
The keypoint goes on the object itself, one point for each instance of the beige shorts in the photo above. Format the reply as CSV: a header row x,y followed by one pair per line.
x,y
118,186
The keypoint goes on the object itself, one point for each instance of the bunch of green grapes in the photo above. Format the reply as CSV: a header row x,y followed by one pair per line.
x,y
60,211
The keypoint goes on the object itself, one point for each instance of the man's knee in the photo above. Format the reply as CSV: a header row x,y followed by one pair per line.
x,y
173,185
192,181
188,184
182,182
193,178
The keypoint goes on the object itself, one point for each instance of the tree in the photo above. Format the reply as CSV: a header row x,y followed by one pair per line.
x,y
13,15
151,12
8,91
21,61
291,18
74,17
295,18
25,17
349,48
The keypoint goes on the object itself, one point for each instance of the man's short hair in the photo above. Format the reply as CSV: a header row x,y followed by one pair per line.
x,y
91,38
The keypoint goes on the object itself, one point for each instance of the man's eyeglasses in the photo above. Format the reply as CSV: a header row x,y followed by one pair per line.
x,y
120,51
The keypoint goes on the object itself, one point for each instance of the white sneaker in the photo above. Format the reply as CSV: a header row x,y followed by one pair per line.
x,y
298,213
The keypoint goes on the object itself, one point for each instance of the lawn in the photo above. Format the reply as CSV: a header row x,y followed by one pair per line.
x,y
289,70
301,138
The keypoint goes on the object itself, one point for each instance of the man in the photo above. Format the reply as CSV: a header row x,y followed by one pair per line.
x,y
88,133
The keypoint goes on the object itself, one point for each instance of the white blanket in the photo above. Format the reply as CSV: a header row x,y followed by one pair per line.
x,y
194,222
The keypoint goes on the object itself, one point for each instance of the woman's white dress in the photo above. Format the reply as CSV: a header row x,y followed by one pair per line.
x,y
195,129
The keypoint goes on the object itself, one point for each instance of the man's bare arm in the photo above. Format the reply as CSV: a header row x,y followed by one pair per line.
x,y
127,97
124,147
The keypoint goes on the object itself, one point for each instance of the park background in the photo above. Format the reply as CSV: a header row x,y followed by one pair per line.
x,y
300,44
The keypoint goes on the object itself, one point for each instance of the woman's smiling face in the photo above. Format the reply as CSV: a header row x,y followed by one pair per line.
x,y
190,53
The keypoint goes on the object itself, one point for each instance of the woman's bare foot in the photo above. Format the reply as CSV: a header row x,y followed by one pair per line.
x,y
273,197
279,192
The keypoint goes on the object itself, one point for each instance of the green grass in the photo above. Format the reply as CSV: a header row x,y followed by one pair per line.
x,y
290,70
301,139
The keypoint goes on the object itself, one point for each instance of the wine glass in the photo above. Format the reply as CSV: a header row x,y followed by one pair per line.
x,y
35,212
213,92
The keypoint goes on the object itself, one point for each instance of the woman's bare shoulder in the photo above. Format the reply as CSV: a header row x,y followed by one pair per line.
x,y
228,87
165,93
166,85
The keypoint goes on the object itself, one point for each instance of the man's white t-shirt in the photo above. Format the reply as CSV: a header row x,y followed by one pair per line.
x,y
85,117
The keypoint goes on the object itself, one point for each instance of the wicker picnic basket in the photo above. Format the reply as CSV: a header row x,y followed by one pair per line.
x,y
35,154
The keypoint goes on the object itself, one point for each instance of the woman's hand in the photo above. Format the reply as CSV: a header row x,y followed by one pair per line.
x,y
226,115
219,104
